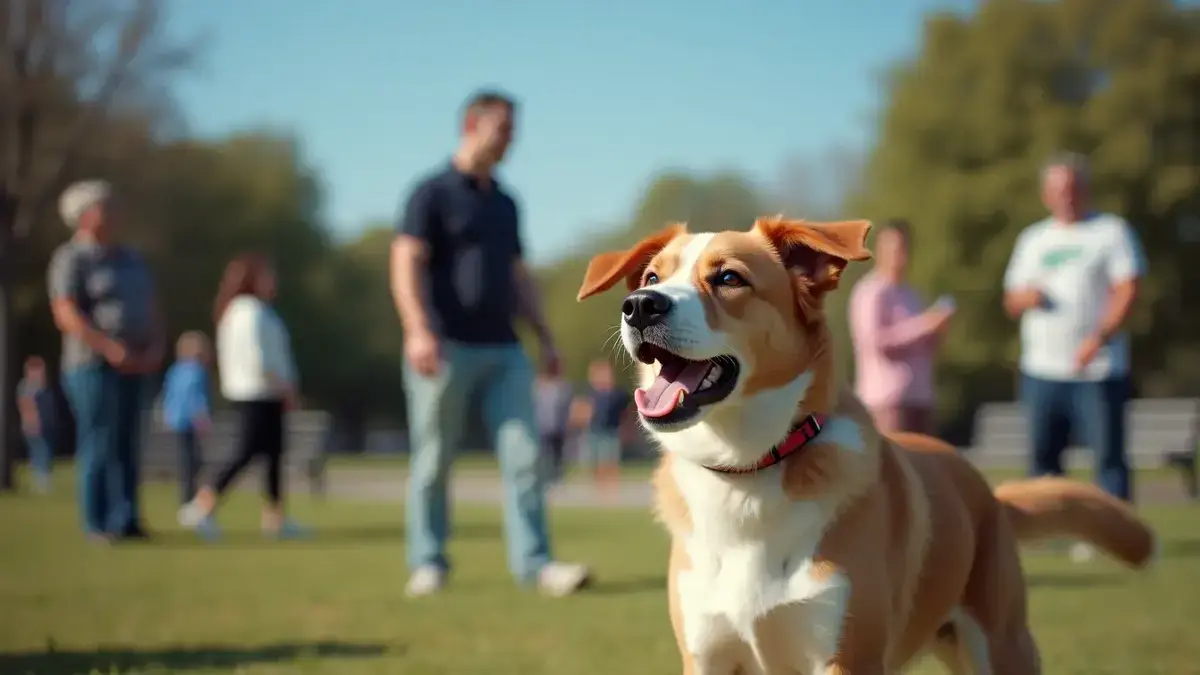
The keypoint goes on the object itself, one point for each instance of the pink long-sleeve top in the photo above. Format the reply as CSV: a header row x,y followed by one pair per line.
x,y
894,343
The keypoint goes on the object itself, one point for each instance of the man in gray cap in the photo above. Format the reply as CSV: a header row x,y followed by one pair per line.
x,y
102,298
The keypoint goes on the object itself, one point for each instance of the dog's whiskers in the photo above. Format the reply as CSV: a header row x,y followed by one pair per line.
x,y
613,344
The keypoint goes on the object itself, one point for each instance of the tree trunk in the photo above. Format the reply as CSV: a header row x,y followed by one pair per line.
x,y
10,436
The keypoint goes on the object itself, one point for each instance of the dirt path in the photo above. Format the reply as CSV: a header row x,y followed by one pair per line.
x,y
478,487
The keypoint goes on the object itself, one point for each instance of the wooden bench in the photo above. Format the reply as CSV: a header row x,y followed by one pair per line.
x,y
1159,432
307,436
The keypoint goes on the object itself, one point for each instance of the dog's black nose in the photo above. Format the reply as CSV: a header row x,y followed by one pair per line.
x,y
644,308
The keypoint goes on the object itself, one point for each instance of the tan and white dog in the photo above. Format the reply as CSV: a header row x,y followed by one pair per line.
x,y
803,541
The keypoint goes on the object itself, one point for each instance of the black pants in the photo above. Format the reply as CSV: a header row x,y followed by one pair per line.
x,y
553,445
260,432
189,464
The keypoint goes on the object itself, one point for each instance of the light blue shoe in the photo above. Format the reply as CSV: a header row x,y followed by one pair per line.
x,y
208,529
290,529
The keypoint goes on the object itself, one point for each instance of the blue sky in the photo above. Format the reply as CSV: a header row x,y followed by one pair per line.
x,y
611,93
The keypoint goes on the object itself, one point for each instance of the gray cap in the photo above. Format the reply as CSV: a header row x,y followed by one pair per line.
x,y
81,196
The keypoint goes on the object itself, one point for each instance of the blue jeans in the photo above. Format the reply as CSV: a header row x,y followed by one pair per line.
x,y
189,464
41,454
437,414
107,409
1094,412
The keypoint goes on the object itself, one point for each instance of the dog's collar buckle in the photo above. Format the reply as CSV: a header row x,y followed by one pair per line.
x,y
801,434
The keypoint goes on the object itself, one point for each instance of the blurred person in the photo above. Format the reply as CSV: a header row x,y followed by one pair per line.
x,y
103,300
1072,281
459,279
258,375
187,407
605,414
35,404
895,338
552,398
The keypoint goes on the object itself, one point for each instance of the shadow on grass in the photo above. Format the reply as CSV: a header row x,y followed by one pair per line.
x,y
220,657
382,533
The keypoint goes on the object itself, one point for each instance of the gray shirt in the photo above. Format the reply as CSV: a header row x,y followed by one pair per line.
x,y
112,287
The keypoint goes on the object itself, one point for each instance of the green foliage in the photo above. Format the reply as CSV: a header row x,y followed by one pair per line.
x,y
967,125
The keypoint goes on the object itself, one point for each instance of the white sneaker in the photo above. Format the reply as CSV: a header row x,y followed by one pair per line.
x,y
424,581
1082,553
190,515
560,578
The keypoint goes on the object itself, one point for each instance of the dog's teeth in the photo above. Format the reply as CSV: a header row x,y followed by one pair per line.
x,y
681,395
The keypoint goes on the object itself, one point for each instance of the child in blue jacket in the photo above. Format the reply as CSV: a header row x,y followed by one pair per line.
x,y
186,406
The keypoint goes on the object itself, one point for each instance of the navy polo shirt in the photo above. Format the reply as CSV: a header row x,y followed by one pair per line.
x,y
472,234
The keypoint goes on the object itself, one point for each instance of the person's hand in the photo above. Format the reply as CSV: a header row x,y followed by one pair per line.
x,y
422,350
116,354
141,364
202,424
1030,298
289,396
941,318
548,354
1087,351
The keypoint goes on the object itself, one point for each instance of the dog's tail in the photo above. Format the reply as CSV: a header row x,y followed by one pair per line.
x,y
1047,508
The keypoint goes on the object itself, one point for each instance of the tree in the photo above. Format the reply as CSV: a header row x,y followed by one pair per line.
x,y
68,73
968,123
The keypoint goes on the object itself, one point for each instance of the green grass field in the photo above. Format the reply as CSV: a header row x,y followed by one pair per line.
x,y
334,604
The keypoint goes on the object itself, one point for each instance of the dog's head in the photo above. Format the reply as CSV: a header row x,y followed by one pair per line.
x,y
730,325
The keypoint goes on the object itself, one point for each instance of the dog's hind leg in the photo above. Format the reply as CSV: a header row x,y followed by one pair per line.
x,y
993,621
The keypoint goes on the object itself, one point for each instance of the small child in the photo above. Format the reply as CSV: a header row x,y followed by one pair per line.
x,y
606,415
35,402
186,406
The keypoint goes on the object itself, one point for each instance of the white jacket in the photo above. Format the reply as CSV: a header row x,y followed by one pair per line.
x,y
253,350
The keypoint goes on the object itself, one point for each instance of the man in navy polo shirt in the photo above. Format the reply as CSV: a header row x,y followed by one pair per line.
x,y
459,280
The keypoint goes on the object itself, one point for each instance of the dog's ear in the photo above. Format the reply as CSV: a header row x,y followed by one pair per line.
x,y
606,269
816,252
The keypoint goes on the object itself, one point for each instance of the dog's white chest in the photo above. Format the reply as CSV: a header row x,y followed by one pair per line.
x,y
732,586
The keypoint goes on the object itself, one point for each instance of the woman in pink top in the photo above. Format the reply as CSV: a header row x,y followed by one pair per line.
x,y
895,338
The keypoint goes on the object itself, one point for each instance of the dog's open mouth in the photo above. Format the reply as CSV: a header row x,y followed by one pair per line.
x,y
683,386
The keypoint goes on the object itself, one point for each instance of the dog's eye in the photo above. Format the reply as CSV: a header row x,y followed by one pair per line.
x,y
731,279
651,279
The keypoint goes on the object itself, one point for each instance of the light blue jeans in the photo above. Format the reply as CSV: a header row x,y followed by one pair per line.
x,y
437,415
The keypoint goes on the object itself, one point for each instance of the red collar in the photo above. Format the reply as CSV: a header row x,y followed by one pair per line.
x,y
804,431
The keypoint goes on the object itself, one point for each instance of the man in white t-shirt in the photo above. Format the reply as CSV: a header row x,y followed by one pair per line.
x,y
1072,281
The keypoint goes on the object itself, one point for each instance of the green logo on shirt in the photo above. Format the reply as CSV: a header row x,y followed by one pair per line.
x,y
1057,257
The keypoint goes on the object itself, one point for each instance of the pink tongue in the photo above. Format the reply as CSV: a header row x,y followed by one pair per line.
x,y
678,375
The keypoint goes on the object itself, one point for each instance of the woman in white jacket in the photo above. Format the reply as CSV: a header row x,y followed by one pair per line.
x,y
258,375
